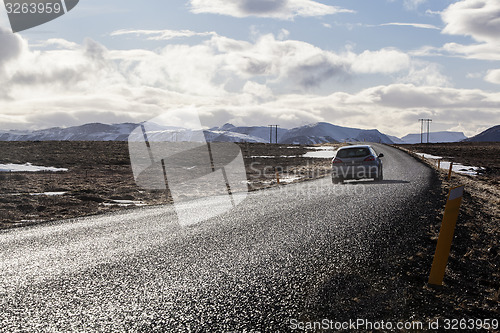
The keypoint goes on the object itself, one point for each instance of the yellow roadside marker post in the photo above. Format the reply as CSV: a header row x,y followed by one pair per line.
x,y
439,163
277,171
443,247
451,169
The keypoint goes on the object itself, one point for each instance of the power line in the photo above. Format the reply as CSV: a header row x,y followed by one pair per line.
x,y
271,133
423,129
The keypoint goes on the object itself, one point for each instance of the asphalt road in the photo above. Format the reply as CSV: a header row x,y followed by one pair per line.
x,y
256,267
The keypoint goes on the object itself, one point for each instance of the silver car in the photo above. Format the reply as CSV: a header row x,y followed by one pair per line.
x,y
356,162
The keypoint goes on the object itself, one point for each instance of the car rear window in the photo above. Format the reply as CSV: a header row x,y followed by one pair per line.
x,y
353,152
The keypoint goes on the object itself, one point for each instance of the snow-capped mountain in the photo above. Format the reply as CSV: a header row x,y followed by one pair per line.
x,y
325,132
87,132
261,133
435,137
395,139
490,135
308,134
121,132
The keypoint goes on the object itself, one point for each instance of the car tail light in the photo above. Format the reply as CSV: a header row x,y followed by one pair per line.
x,y
370,158
337,160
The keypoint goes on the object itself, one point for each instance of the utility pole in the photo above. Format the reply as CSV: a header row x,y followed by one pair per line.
x,y
271,133
423,129
428,129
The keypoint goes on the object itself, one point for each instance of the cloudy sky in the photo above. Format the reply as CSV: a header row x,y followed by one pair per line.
x,y
360,63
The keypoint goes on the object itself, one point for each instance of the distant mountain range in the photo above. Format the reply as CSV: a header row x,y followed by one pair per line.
x,y
435,137
87,132
325,132
490,135
308,134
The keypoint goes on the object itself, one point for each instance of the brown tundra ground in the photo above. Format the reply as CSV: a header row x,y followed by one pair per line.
x,y
100,179
472,282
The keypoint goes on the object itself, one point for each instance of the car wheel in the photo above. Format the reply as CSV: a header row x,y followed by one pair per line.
x,y
380,176
336,180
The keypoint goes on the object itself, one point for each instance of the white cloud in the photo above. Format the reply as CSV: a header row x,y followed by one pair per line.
x,y
280,9
413,4
414,25
403,104
467,130
283,34
411,96
475,75
426,74
4,21
493,76
484,51
260,91
479,19
287,64
383,61
12,46
294,65
229,80
432,12
162,34
60,43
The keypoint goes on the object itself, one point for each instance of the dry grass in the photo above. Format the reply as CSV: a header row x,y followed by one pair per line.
x,y
100,172
472,281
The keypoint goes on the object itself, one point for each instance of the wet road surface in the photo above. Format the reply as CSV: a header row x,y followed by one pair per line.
x,y
255,267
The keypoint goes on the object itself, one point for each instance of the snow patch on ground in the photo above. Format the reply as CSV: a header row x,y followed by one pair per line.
x,y
321,152
323,148
457,167
50,194
283,179
125,203
282,156
318,152
28,167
